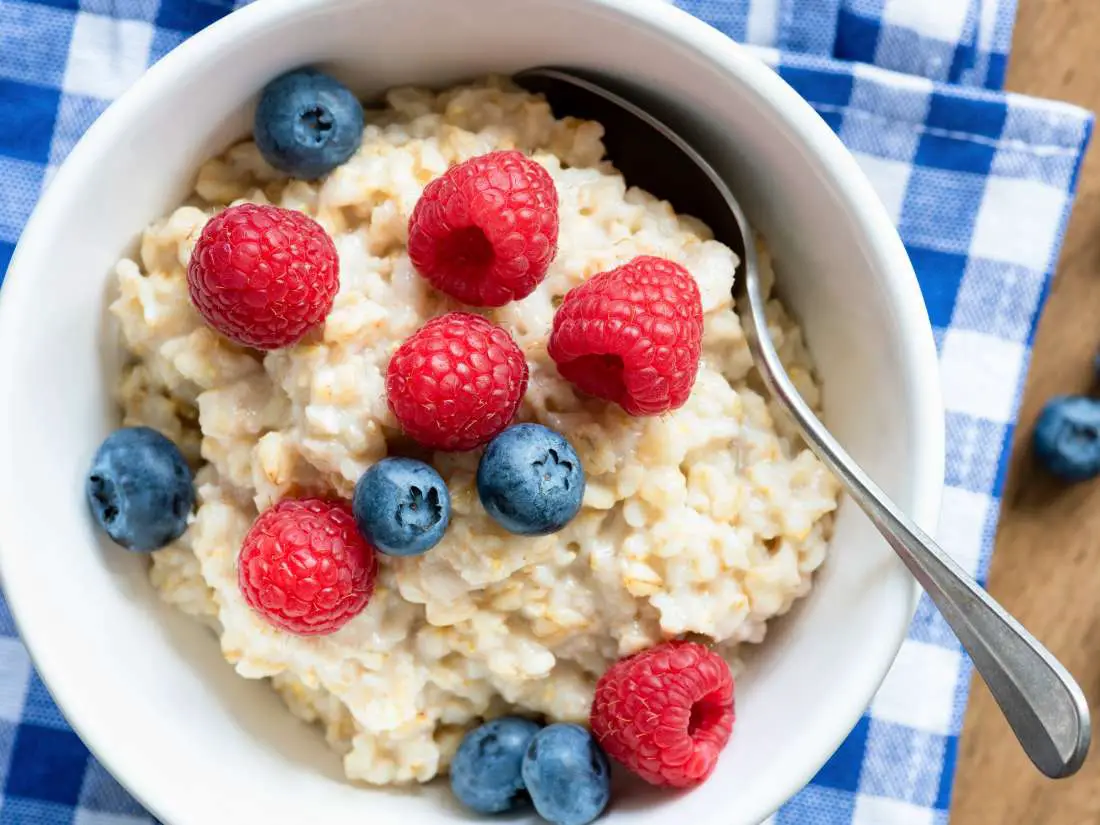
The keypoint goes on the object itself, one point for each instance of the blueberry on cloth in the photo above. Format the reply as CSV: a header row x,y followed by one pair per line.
x,y
307,123
530,480
401,506
486,770
567,775
139,489
1067,437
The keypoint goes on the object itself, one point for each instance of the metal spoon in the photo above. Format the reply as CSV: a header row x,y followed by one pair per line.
x,y
1041,701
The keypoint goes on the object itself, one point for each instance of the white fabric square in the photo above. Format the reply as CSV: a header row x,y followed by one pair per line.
x,y
83,816
94,36
15,664
762,23
919,690
877,810
963,516
980,374
987,23
1018,222
767,54
890,179
940,19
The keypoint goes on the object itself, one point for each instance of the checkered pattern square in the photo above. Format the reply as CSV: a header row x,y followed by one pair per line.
x,y
953,41
964,42
979,183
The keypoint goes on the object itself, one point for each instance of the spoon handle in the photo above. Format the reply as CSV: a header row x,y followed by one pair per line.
x,y
1043,704
1040,700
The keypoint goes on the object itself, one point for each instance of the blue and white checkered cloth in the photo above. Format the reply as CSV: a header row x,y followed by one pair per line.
x,y
979,182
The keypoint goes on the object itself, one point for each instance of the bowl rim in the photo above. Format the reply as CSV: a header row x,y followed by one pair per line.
x,y
839,167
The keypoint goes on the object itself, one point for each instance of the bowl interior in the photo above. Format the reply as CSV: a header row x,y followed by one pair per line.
x,y
148,689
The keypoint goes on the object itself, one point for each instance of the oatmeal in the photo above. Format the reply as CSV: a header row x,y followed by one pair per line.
x,y
705,522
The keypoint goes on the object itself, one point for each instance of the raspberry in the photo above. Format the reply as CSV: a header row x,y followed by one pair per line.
x,y
632,335
666,713
456,382
486,231
263,276
304,567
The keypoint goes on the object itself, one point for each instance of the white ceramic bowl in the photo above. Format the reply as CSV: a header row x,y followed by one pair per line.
x,y
148,690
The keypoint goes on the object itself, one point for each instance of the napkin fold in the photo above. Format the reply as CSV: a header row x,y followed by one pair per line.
x,y
979,182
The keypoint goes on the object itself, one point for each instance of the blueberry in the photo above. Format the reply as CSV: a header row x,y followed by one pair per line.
x,y
402,506
1067,437
485,773
307,123
530,480
567,775
139,489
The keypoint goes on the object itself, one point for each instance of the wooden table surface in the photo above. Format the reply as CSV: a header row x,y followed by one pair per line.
x,y
1046,567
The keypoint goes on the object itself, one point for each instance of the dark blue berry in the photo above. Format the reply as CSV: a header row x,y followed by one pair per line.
x,y
139,489
530,480
1067,437
402,506
486,771
567,775
307,123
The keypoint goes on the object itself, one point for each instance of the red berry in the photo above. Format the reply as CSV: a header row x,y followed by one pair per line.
x,y
456,382
305,568
263,276
666,713
486,231
632,335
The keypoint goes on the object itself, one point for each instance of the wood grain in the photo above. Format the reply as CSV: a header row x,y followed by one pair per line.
x,y
1046,567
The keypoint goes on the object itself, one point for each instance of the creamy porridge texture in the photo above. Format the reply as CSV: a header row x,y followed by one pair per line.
x,y
704,522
